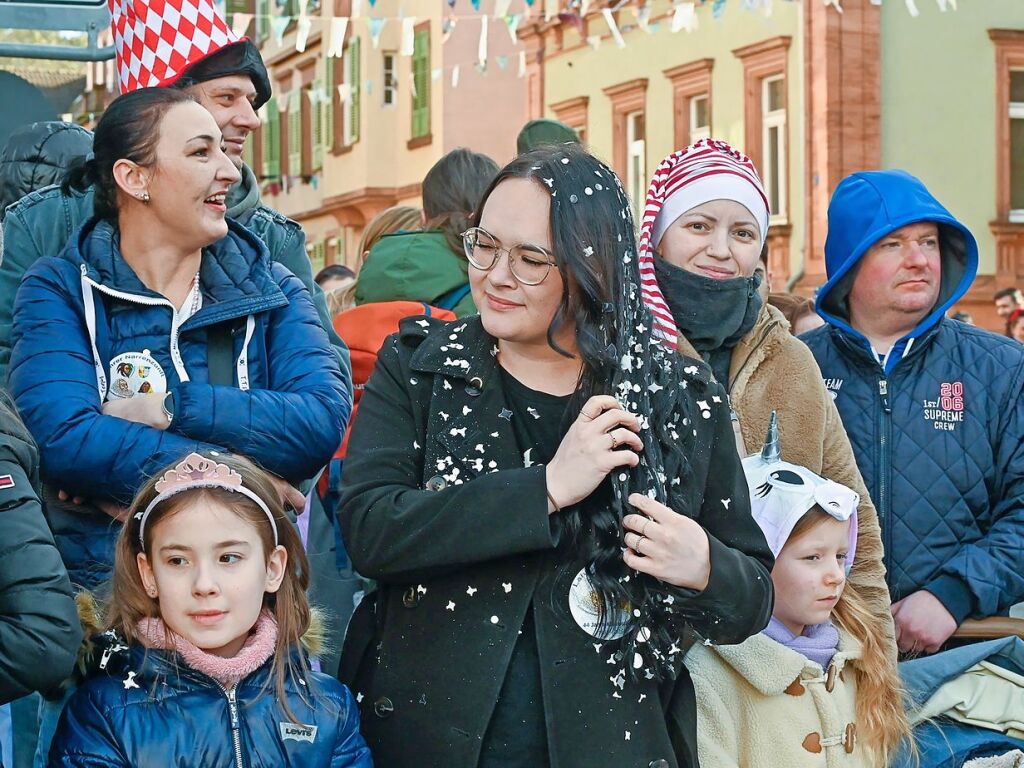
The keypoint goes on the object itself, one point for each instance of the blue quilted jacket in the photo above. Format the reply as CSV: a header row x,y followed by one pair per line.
x,y
77,315
147,708
937,426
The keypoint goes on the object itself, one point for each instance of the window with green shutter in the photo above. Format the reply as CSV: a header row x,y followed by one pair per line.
x,y
353,71
318,256
295,133
421,78
272,141
262,20
317,109
330,94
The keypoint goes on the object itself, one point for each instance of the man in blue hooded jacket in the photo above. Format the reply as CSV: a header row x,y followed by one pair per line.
x,y
933,406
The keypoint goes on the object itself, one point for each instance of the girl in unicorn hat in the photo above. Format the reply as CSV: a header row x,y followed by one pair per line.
x,y
815,688
200,658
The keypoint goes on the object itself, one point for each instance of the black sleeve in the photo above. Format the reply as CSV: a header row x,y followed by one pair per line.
x,y
39,628
738,600
396,531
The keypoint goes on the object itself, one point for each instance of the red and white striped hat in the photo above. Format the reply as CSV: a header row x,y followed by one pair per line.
x,y
157,40
707,170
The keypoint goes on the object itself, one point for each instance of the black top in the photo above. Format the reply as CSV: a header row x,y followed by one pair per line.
x,y
517,734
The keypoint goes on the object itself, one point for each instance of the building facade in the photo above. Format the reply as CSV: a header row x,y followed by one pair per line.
x,y
811,95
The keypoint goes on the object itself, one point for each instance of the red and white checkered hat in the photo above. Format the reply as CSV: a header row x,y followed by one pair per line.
x,y
157,40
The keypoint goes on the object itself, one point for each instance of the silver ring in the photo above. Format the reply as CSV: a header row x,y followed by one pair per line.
x,y
643,533
637,546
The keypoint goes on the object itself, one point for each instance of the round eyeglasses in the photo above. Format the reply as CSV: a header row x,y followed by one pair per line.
x,y
528,263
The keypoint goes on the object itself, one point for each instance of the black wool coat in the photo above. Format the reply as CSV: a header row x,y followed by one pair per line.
x,y
440,510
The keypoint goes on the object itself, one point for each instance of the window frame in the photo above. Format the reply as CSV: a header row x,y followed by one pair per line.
x,y
774,120
420,94
636,149
1009,49
389,79
626,98
573,112
689,81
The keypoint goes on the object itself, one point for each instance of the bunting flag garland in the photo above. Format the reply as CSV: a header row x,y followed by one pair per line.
x,y
512,24
447,27
522,61
376,27
373,3
455,76
685,17
594,41
717,9
344,93
278,25
481,51
643,17
339,26
912,9
502,62
835,4
302,29
501,8
476,5
357,8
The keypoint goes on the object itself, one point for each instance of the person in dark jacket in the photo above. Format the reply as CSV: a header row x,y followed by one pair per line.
x,y
232,83
112,367
933,406
199,658
37,156
39,628
499,466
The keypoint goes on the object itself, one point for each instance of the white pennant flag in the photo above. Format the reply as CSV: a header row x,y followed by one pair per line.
x,y
408,36
412,85
435,74
501,8
522,64
302,33
609,19
481,50
912,9
455,76
512,23
835,4
357,8
594,41
685,17
344,92
339,26
240,23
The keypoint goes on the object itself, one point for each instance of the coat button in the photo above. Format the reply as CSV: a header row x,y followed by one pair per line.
x,y
475,386
658,764
383,707
437,483
850,737
411,598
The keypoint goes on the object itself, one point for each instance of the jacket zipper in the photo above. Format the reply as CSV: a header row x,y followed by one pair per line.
x,y
236,735
179,363
884,467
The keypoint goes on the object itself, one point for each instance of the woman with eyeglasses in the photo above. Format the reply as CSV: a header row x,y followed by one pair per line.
x,y
549,500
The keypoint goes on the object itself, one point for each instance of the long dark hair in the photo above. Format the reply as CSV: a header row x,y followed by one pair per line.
x,y
451,192
594,243
128,130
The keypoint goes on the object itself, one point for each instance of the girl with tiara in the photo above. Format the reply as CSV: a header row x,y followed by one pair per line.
x,y
200,659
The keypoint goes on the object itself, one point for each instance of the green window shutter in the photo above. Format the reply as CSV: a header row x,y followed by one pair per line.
x,y
295,133
421,77
317,256
262,20
317,108
355,53
330,93
272,141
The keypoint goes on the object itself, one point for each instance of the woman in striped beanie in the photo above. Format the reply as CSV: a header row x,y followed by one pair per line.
x,y
704,225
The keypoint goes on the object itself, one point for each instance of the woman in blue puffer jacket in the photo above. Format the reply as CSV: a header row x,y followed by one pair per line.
x,y
162,329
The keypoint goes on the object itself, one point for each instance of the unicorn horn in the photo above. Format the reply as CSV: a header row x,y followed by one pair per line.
x,y
771,452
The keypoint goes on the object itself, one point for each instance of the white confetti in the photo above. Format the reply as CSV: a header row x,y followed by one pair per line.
x,y
471,591
451,605
726,503
494,619
627,735
129,682
638,661
507,586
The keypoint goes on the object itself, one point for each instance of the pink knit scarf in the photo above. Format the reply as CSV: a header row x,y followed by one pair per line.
x,y
259,647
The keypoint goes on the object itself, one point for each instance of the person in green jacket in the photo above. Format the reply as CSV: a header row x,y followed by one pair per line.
x,y
430,266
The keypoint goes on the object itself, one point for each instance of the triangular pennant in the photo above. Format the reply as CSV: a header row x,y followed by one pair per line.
x,y
912,9
835,4
501,8
339,26
512,22
476,5
502,62
685,17
240,23
609,19
278,25
408,36
373,3
302,33
451,3
594,41
357,9
481,48
376,26
717,9
344,92
522,61
643,17
455,76
447,27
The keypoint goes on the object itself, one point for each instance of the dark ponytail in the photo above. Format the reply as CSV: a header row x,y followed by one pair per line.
x,y
128,130
452,190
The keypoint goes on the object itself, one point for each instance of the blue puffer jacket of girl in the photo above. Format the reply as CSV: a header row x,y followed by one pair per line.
x,y
86,330
144,707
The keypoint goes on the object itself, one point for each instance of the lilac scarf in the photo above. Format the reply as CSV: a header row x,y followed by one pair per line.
x,y
818,643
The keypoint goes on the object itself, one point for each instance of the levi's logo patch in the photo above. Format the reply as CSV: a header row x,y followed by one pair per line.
x,y
6,481
297,732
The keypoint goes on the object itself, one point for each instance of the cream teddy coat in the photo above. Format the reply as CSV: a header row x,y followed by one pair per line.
x,y
762,705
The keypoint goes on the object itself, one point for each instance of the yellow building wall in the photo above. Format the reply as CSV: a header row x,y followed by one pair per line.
x,y
582,71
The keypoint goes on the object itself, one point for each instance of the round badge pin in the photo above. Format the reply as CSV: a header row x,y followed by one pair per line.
x,y
585,606
136,373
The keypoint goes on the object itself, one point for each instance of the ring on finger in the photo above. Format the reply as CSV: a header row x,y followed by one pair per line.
x,y
615,440
643,531
636,546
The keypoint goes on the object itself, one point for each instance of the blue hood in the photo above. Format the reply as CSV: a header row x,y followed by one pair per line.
x,y
868,206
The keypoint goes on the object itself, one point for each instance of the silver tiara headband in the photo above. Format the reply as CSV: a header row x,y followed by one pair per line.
x,y
197,471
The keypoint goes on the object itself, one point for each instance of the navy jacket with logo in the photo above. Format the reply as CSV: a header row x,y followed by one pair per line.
x,y
144,707
937,425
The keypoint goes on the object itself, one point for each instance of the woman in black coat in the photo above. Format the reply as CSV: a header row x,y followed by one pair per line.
x,y
550,501
39,628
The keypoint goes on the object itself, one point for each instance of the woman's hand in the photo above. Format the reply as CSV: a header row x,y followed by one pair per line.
x,y
290,495
145,409
602,438
666,545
